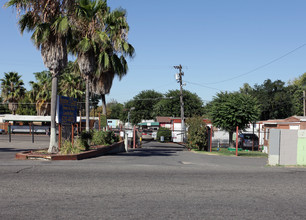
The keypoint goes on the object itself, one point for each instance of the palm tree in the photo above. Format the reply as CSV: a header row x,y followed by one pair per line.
x,y
111,59
70,83
103,80
49,24
88,22
12,90
41,92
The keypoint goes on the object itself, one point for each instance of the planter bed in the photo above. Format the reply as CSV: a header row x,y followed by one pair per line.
x,y
98,151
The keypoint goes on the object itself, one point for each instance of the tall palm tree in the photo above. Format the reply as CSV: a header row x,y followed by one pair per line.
x,y
103,80
88,22
12,90
49,24
111,58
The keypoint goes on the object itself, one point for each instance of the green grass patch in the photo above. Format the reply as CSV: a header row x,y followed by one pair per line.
x,y
226,152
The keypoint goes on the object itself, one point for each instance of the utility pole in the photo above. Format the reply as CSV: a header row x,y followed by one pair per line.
x,y
178,77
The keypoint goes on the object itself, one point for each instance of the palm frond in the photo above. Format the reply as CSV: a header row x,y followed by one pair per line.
x,y
61,25
26,22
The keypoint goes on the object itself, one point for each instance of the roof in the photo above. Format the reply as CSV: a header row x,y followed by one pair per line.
x,y
30,118
35,118
296,118
162,119
149,124
290,120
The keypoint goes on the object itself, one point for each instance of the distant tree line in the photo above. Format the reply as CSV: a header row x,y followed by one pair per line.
x,y
269,100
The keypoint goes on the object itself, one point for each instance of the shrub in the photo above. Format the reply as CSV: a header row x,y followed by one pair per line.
x,y
104,138
164,132
78,143
68,148
197,133
85,138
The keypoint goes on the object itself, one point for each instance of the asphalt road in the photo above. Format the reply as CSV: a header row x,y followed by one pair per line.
x,y
159,181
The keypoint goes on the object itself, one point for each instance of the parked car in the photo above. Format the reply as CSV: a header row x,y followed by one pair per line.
x,y
245,141
146,134
2,131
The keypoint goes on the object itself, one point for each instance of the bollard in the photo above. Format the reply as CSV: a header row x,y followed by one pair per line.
x,y
162,138
126,142
32,125
9,132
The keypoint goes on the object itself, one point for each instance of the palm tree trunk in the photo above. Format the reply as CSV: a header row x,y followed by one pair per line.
x,y
53,147
87,103
104,110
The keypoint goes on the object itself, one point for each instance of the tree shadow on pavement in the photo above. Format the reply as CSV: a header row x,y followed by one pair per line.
x,y
14,150
147,153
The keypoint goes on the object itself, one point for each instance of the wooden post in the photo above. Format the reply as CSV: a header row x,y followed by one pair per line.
x,y
72,134
59,136
211,130
9,128
237,141
99,121
80,120
32,125
134,137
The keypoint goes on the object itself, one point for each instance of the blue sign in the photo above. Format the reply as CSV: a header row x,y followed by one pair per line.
x,y
66,110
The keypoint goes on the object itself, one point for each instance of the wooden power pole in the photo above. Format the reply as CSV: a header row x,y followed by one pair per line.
x,y
179,80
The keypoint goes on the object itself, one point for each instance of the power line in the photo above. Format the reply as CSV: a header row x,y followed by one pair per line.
x,y
151,99
197,84
259,67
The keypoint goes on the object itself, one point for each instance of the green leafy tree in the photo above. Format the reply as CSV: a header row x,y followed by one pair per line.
x,y
197,133
299,81
295,89
296,96
230,110
143,103
116,110
170,105
274,99
164,132
49,24
246,89
12,90
127,108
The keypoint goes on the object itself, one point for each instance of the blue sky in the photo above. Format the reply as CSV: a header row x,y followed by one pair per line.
x,y
216,41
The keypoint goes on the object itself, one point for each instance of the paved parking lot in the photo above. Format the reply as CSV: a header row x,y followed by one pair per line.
x,y
159,181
